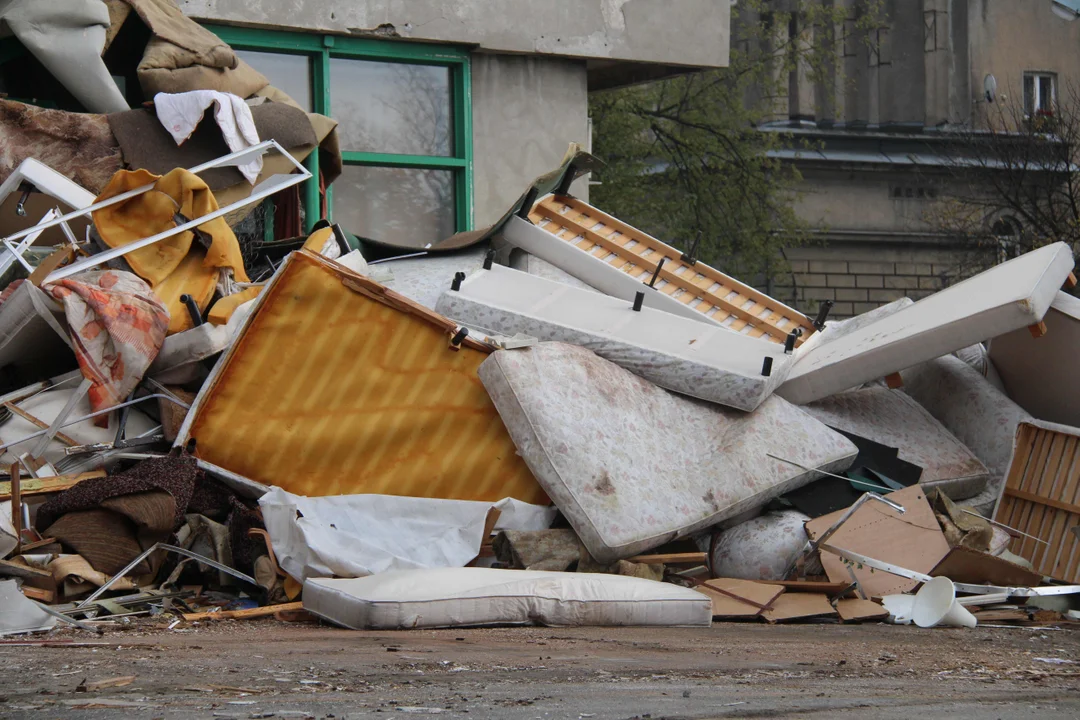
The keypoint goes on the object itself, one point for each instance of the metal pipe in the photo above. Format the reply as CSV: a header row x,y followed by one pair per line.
x,y
170,548
92,415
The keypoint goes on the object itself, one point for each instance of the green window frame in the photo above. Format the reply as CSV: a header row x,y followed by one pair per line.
x,y
320,48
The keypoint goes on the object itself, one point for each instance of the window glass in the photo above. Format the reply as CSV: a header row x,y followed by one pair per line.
x,y
391,107
1046,92
288,73
405,206
1029,94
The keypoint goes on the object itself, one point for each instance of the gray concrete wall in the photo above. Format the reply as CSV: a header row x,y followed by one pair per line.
x,y
526,111
693,33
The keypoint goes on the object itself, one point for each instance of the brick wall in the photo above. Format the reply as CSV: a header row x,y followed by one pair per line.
x,y
859,279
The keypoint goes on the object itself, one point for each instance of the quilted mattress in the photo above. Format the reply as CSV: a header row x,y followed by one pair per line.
x,y
631,465
462,597
1007,297
893,418
703,361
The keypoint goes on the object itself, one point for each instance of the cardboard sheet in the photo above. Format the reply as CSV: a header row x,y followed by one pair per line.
x,y
1032,369
688,357
337,386
631,465
964,565
912,540
858,610
799,606
725,606
1008,297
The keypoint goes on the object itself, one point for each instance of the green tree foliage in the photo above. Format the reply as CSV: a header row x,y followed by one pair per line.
x,y
685,157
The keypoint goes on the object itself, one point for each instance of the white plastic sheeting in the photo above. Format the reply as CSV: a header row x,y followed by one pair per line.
x,y
357,535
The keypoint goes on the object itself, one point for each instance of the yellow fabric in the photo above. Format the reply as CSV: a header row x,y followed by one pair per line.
x,y
330,392
317,240
176,265
189,278
226,306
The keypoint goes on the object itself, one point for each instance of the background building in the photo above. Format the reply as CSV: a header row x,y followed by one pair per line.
x,y
448,110
877,167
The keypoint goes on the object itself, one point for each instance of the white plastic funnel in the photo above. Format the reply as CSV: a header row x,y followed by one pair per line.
x,y
899,607
935,604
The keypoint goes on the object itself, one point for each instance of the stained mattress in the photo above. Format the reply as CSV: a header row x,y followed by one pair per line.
x,y
631,465
893,418
1010,296
703,361
974,411
337,386
462,597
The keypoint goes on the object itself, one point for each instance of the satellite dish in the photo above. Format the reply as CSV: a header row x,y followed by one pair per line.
x,y
990,88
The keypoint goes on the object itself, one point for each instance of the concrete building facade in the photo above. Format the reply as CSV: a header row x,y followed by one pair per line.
x,y
876,175
495,93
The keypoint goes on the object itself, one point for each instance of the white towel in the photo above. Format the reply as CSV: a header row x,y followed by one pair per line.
x,y
181,113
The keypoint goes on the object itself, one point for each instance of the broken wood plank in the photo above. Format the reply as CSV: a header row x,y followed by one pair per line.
x,y
40,486
39,423
41,595
695,558
1070,282
799,606
894,381
1037,330
244,614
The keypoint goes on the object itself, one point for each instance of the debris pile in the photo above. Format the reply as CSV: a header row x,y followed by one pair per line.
x,y
558,419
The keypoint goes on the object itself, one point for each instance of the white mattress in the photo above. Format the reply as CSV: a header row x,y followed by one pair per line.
x,y
974,411
1038,372
1010,296
892,418
707,362
424,279
461,597
632,466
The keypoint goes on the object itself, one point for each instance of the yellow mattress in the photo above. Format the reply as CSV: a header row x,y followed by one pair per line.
x,y
338,385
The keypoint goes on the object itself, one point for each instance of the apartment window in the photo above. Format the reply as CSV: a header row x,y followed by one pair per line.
x,y
1039,93
405,127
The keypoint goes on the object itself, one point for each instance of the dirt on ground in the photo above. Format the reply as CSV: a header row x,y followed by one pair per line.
x,y
266,668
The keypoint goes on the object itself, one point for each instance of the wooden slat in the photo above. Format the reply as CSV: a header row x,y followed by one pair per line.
x,y
1042,498
1042,488
602,236
706,270
1051,521
40,486
726,284
1060,537
244,614
40,424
